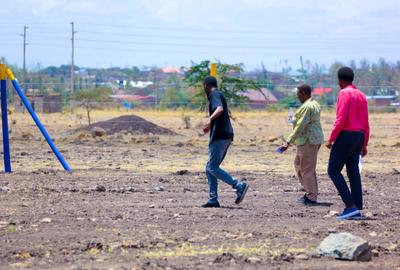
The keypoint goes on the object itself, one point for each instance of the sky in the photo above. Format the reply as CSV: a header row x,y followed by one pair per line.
x,y
175,33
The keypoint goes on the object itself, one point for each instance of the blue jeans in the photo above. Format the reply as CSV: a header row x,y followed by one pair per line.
x,y
346,151
216,154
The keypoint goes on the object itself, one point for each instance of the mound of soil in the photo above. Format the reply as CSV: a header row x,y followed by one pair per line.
x,y
130,124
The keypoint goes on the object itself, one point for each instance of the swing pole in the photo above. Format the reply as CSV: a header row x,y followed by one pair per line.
x,y
37,121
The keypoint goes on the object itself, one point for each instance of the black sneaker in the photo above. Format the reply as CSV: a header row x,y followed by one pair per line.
x,y
241,192
306,201
211,205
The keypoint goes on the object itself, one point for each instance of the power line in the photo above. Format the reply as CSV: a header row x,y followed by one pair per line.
x,y
257,39
50,25
241,31
284,51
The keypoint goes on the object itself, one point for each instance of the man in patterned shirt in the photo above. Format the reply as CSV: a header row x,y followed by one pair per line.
x,y
308,136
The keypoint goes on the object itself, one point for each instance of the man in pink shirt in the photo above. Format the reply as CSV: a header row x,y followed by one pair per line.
x,y
348,140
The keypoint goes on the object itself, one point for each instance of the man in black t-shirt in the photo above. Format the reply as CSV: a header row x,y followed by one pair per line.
x,y
221,136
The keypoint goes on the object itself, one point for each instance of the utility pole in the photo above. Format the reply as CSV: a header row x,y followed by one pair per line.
x,y
303,71
24,59
72,56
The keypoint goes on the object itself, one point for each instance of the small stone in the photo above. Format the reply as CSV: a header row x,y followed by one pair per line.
x,y
253,260
301,257
182,172
395,171
5,189
117,217
369,215
100,188
152,206
159,189
130,189
98,132
161,245
375,252
373,234
331,214
46,220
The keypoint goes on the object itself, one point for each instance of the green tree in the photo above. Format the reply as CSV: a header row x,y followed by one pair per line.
x,y
174,98
230,82
90,99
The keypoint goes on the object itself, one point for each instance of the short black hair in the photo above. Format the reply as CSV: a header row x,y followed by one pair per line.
x,y
210,81
346,74
305,88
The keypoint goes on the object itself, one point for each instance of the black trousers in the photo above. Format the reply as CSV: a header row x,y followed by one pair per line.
x,y
346,151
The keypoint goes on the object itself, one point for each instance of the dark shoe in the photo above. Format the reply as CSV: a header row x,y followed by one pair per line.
x,y
306,201
351,213
211,205
241,192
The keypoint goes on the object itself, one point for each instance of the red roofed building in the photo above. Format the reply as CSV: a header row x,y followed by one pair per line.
x,y
260,99
321,91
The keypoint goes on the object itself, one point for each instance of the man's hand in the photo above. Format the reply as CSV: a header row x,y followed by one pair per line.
x,y
328,145
364,152
207,126
285,146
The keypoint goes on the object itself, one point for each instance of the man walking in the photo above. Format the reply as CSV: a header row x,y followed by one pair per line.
x,y
308,136
221,136
348,140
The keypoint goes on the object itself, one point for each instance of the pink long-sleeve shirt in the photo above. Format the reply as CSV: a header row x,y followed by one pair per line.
x,y
351,113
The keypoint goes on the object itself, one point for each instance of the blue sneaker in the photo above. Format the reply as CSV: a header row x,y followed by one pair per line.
x,y
352,213
241,192
356,217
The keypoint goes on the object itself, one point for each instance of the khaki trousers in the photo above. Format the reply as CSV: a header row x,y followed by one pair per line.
x,y
305,165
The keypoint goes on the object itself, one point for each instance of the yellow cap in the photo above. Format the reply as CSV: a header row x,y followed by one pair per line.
x,y
3,71
10,74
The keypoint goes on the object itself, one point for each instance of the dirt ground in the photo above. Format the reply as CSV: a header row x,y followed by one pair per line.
x,y
133,200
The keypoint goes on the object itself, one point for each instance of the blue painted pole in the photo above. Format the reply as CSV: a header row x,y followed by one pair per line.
x,y
37,121
4,118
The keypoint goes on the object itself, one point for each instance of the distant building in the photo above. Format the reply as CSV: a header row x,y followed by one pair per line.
x,y
41,103
321,91
171,70
260,99
381,101
140,84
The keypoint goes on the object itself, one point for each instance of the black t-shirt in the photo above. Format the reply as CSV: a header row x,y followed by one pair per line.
x,y
221,127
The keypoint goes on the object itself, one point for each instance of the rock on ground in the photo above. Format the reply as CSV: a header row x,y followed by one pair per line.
x,y
345,246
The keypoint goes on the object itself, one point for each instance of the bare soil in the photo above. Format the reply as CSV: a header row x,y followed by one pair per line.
x,y
134,203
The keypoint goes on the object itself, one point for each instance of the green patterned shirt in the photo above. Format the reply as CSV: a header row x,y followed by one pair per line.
x,y
307,124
